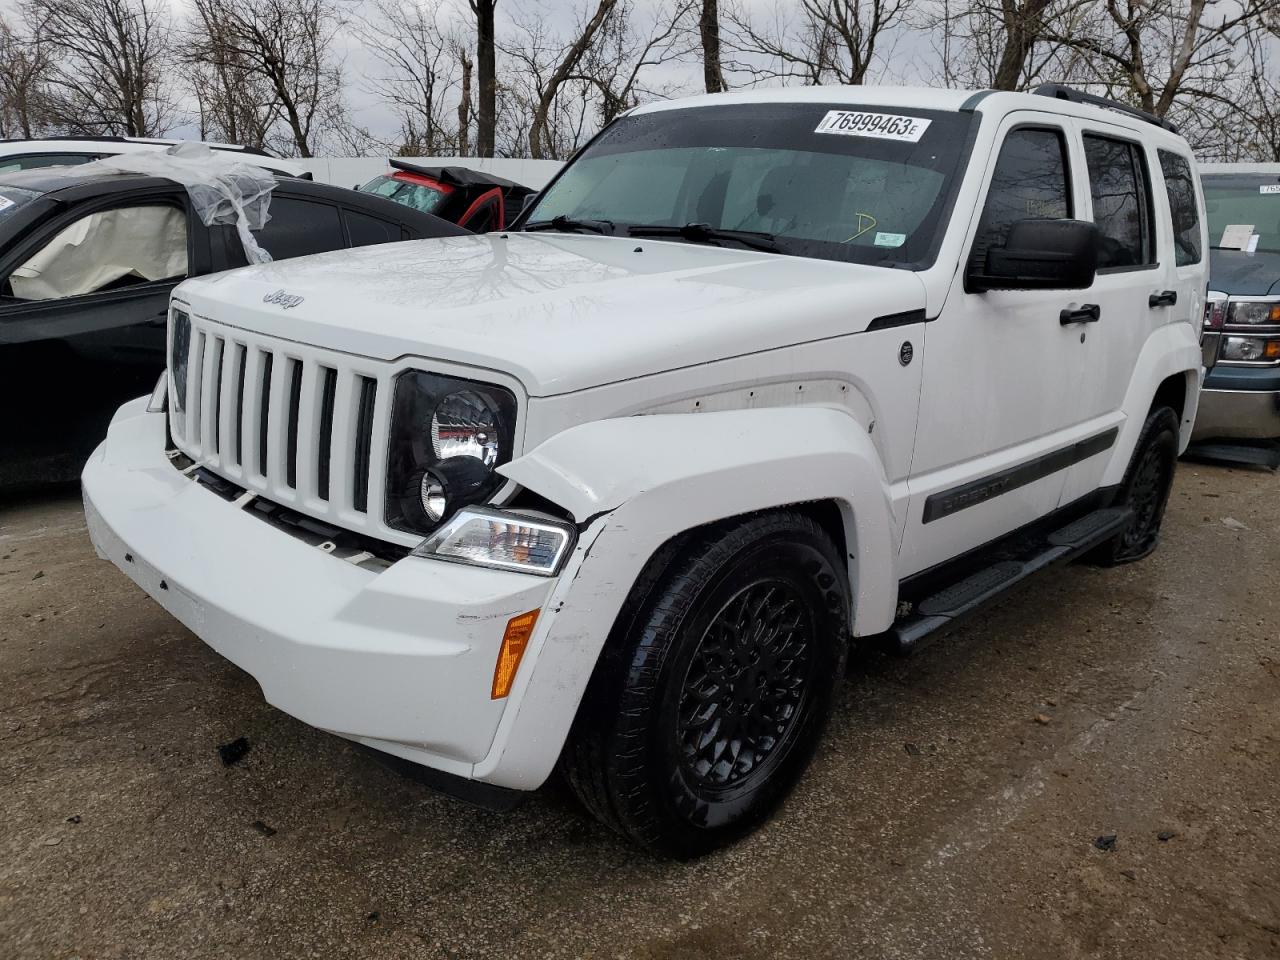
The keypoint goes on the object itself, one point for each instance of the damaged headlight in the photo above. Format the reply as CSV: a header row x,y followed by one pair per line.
x,y
502,541
447,436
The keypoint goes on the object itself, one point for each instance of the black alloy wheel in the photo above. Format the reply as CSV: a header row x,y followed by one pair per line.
x,y
714,688
1145,490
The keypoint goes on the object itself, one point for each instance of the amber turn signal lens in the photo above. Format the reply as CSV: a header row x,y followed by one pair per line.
x,y
514,641
1272,350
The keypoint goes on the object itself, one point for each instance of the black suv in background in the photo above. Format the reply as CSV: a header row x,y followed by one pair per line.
x,y
87,263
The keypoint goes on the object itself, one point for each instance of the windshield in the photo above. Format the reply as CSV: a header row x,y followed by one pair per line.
x,y
1244,211
419,196
12,199
863,184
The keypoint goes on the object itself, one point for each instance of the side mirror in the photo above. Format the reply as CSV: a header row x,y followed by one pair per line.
x,y
1041,255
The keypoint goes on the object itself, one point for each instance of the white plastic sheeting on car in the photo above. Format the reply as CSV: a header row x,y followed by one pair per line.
x,y
223,188
100,250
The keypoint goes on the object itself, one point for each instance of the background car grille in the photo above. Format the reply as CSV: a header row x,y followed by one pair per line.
x,y
301,426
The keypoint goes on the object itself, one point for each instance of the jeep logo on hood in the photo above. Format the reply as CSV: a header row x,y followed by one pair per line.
x,y
285,300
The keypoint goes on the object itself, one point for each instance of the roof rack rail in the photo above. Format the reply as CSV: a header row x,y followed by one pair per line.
x,y
1060,91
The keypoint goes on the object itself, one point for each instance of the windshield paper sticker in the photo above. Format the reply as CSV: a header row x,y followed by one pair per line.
x,y
1269,188
5,204
882,126
1235,236
890,239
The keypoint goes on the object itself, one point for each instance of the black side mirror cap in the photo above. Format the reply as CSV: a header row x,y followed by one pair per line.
x,y
1041,255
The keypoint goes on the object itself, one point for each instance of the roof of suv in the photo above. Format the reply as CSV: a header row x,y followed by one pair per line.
x,y
929,98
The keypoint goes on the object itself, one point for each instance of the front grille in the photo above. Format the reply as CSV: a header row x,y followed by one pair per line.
x,y
303,427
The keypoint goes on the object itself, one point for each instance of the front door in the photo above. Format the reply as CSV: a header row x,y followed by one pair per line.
x,y
83,301
999,411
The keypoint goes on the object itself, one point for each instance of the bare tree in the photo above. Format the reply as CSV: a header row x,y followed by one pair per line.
x,y
111,60
236,103
1007,44
464,101
563,67
1156,52
1251,130
24,72
486,76
567,86
831,41
418,70
709,37
288,45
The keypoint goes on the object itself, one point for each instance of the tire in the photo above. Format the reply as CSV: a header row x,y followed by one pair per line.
x,y
685,661
1145,490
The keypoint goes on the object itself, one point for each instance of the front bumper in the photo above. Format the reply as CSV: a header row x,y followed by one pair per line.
x,y
1239,403
400,659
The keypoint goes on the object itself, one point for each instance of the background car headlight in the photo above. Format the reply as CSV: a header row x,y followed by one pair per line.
x,y
1252,313
447,436
1250,349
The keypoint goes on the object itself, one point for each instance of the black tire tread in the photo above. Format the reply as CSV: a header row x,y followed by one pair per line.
x,y
598,758
1159,420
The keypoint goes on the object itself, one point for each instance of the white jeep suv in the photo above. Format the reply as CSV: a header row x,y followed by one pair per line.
x,y
759,375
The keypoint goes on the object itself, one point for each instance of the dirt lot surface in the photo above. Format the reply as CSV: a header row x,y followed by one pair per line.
x,y
958,808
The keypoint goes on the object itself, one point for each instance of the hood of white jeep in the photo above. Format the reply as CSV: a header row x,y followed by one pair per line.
x,y
561,312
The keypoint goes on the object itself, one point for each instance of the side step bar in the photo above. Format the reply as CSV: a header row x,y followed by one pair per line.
x,y
954,602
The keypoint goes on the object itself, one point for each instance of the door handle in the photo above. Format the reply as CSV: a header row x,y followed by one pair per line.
x,y
1165,298
1088,313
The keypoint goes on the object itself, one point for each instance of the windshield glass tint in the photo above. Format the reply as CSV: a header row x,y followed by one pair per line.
x,y
416,195
870,194
14,198
1242,207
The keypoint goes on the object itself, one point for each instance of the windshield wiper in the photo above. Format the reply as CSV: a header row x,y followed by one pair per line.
x,y
705,233
569,225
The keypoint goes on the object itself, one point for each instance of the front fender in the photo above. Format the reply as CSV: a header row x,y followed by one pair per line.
x,y
635,483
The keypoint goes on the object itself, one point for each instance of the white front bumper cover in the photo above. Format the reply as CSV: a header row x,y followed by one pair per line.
x,y
401,660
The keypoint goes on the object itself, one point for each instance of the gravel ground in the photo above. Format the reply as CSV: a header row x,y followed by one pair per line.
x,y
956,809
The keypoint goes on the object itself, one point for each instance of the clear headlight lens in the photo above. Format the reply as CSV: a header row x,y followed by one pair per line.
x,y
447,436
1250,349
1250,313
503,541
464,425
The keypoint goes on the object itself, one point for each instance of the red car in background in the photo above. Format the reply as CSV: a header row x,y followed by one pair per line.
x,y
474,200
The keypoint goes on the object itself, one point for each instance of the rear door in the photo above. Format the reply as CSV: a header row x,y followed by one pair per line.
x,y
1140,284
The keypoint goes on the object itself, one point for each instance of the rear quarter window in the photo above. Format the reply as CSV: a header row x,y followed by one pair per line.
x,y
1179,184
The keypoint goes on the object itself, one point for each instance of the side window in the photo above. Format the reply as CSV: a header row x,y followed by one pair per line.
x,y
300,227
364,230
106,250
1029,183
1181,188
32,161
1121,194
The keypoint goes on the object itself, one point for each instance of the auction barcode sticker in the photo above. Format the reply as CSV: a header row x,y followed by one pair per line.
x,y
883,126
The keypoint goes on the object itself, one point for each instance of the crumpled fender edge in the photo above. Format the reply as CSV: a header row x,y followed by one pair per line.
x,y
636,482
